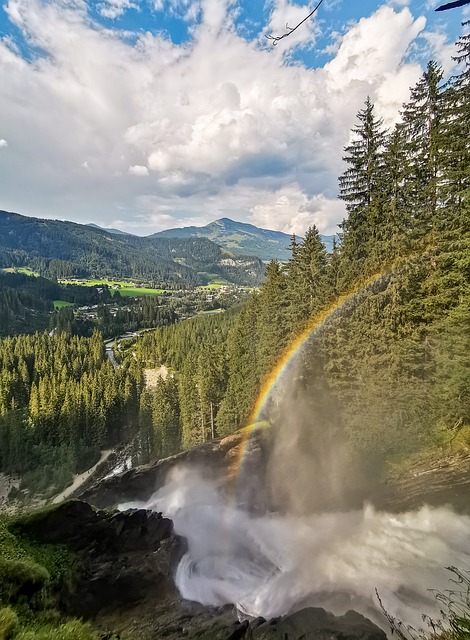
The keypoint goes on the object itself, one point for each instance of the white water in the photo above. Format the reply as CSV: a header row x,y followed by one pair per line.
x,y
273,564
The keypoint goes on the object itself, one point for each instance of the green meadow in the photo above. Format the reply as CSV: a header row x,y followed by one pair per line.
x,y
138,291
126,289
25,270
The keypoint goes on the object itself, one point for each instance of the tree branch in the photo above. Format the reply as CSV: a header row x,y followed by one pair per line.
x,y
452,5
290,30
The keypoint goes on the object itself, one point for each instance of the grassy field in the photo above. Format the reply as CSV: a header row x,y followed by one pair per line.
x,y
139,291
25,270
213,280
126,289
58,304
215,285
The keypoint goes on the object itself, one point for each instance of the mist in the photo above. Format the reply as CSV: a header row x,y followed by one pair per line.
x,y
272,564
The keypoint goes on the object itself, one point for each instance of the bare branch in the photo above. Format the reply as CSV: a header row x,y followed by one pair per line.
x,y
290,30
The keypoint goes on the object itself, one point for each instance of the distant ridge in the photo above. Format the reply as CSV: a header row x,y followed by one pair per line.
x,y
118,232
241,238
57,249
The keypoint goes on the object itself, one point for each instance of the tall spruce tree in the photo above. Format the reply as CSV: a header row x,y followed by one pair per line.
x,y
272,322
306,283
359,185
422,117
393,223
454,214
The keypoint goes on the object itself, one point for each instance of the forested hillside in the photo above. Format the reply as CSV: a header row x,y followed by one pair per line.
x,y
182,410
26,302
60,402
389,370
57,249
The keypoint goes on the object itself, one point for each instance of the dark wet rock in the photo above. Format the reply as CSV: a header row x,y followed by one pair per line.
x,y
124,582
123,557
221,624
316,624
239,631
80,526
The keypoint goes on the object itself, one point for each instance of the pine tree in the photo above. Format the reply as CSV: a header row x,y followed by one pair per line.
x,y
306,279
272,321
166,418
359,184
454,214
422,126
243,367
393,223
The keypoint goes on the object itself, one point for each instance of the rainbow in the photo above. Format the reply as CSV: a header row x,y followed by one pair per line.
x,y
256,421
315,323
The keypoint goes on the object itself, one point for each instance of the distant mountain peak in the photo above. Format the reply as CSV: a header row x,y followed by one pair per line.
x,y
241,238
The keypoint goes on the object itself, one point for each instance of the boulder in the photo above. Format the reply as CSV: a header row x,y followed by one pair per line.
x,y
124,557
316,624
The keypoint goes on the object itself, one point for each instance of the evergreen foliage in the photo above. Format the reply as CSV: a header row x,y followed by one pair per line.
x,y
60,402
182,410
389,371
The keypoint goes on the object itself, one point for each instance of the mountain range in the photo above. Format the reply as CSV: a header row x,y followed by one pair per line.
x,y
242,239
58,249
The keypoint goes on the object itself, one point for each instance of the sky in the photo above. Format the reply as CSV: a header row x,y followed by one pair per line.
x,y
144,115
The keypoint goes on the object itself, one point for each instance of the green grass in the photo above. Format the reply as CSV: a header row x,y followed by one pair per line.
x,y
58,304
25,270
213,280
139,291
126,289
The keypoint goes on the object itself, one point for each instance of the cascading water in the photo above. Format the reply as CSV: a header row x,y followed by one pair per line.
x,y
272,564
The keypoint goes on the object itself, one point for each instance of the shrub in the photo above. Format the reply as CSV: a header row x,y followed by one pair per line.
x,y
20,577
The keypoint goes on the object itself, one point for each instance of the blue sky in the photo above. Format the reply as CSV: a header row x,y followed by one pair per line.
x,y
148,114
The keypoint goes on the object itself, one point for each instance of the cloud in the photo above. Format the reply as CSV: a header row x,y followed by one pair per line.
x,y
218,125
186,9
115,8
3,143
295,211
138,170
437,48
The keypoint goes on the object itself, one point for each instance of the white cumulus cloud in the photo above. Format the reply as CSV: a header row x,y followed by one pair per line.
x,y
218,125
138,170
